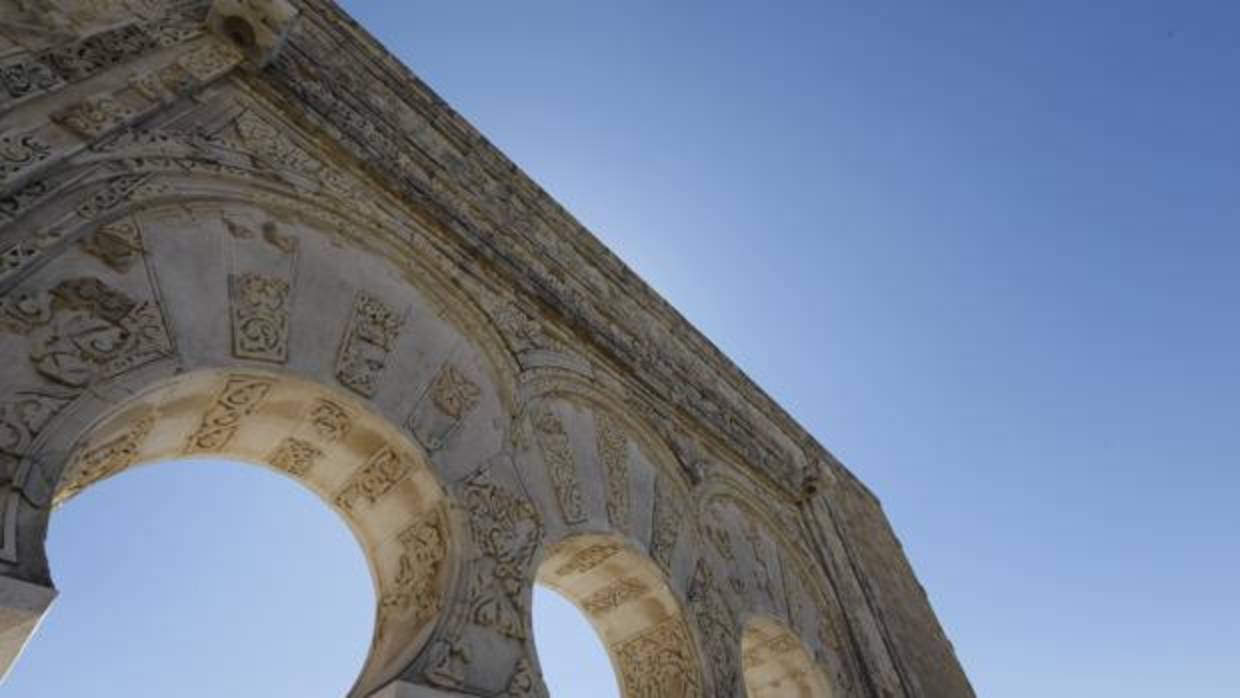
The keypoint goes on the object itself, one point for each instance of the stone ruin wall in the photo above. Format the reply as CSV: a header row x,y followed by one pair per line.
x,y
243,229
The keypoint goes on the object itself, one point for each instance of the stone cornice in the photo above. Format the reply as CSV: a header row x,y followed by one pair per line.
x,y
408,137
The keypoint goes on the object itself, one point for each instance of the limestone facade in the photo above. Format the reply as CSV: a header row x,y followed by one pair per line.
x,y
242,229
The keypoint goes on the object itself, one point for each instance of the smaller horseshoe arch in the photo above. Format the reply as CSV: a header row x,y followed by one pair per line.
x,y
777,664
375,478
626,597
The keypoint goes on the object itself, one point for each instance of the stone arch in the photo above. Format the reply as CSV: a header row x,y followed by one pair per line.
x,y
361,465
595,467
776,664
634,610
753,541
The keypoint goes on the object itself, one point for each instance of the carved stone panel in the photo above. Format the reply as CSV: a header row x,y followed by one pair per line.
x,y
239,398
368,339
658,663
557,454
260,309
506,528
612,446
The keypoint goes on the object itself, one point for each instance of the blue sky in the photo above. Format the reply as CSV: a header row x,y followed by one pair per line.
x,y
987,252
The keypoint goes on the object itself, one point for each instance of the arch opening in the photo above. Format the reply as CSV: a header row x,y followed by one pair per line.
x,y
777,664
624,596
198,575
364,468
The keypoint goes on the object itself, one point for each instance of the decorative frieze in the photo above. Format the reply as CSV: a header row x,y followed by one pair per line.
x,y
20,153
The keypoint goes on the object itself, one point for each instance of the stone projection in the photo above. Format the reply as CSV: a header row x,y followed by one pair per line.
x,y
242,229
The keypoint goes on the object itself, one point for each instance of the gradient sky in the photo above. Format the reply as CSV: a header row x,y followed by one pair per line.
x,y
989,253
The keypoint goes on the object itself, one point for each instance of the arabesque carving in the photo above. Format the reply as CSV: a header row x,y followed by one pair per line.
x,y
558,457
259,317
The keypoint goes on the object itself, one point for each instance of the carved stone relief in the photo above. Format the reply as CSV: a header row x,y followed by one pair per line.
x,y
613,452
667,514
117,244
260,308
415,589
369,337
240,397
658,663
506,528
451,398
557,454
376,478
295,456
106,459
83,331
614,595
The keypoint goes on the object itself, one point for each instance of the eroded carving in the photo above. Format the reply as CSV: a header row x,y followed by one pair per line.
x,y
369,337
259,317
658,663
448,663
377,477
19,153
94,116
588,558
613,452
106,459
506,528
667,516
83,331
614,595
239,398
416,586
117,244
295,456
558,456
331,421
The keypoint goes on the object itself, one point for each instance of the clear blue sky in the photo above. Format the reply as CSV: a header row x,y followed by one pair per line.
x,y
989,253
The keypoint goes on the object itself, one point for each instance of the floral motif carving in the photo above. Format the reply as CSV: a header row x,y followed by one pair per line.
x,y
259,317
371,334
558,456
83,331
667,516
613,452
658,663
106,459
506,529
239,398
295,456
331,421
376,478
117,244
20,153
416,586
26,75
453,393
614,595
588,558
715,626
94,117
113,192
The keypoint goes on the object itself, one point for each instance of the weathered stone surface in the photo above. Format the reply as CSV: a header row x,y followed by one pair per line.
x,y
243,229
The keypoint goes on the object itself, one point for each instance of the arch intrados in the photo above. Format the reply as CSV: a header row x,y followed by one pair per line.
x,y
361,466
631,605
777,664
